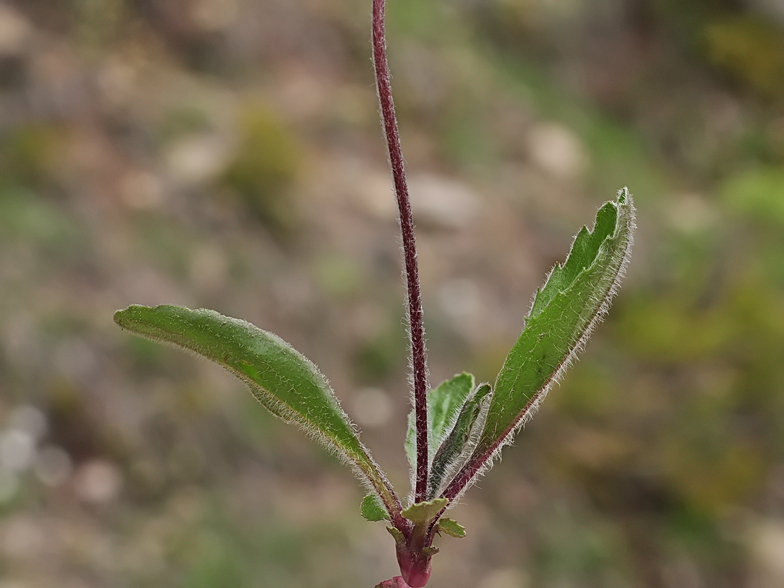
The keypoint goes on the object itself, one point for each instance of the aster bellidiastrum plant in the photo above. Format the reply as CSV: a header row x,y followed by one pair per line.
x,y
456,430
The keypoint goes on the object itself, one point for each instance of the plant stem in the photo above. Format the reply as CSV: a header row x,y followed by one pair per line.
x,y
415,320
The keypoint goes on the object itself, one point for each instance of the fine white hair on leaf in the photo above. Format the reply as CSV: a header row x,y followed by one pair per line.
x,y
358,458
454,466
605,290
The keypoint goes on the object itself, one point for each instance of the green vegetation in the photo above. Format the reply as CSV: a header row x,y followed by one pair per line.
x,y
656,462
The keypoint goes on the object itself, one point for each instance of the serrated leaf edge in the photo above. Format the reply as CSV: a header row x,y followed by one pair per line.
x,y
458,485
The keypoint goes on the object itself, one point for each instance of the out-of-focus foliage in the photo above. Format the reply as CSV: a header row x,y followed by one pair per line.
x,y
263,169
226,154
757,193
750,50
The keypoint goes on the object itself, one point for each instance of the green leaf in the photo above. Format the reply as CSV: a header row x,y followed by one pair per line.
x,y
451,527
575,297
372,509
424,512
281,379
400,539
585,249
457,445
443,404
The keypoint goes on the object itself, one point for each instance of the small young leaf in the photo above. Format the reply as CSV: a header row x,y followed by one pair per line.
x,y
400,539
451,527
424,512
571,303
281,379
456,447
372,509
443,403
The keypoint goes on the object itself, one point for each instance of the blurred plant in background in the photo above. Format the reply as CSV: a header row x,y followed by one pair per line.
x,y
659,463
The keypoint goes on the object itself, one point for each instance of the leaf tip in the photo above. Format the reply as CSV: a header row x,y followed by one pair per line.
x,y
121,317
128,317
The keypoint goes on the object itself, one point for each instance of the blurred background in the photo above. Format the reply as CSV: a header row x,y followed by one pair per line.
x,y
228,154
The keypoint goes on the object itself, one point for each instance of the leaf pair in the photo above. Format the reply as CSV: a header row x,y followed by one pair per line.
x,y
468,424
421,513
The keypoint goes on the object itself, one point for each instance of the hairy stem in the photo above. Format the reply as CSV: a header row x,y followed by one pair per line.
x,y
415,321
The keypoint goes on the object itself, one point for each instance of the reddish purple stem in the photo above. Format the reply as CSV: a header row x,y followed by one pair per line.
x,y
415,321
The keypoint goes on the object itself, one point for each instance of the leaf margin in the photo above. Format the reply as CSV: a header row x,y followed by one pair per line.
x,y
140,320
483,457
